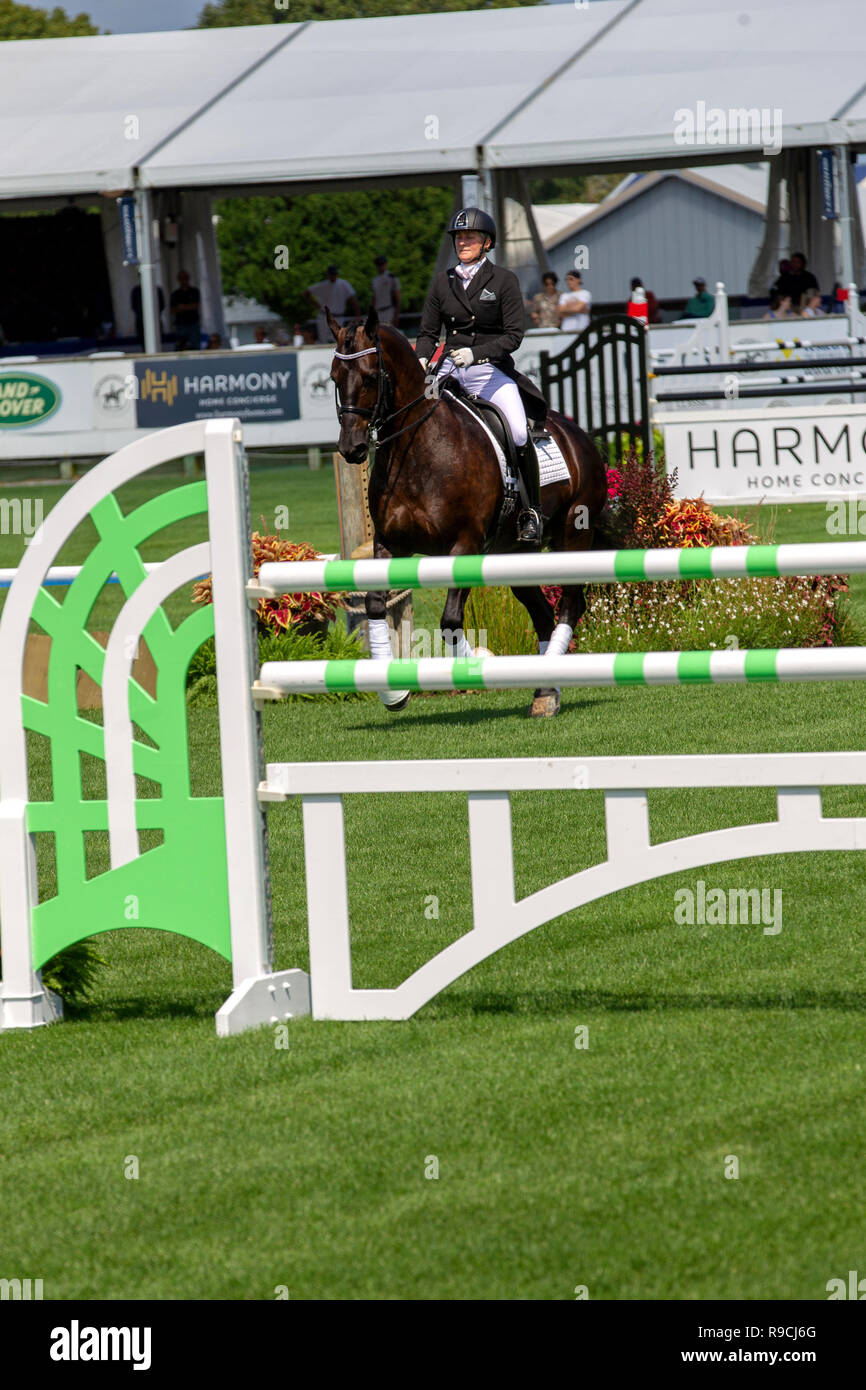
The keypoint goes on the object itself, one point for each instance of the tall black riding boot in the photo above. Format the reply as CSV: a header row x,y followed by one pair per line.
x,y
529,524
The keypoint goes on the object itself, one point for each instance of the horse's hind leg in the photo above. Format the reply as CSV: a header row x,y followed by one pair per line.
x,y
545,701
375,604
571,531
453,635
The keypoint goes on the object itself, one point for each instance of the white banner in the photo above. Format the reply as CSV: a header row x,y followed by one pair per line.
x,y
39,399
801,453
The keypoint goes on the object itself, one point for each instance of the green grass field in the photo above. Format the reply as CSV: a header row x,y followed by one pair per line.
x,y
304,1167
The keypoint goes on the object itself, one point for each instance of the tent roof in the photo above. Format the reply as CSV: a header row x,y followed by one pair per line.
x,y
357,98
65,104
422,95
659,56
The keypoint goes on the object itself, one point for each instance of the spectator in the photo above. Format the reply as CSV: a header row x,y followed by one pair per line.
x,y
135,302
780,307
386,293
214,341
637,307
839,300
298,338
186,314
794,282
260,335
544,306
652,304
334,294
574,305
702,303
812,308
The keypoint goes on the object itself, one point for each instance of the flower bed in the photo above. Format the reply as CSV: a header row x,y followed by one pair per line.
x,y
797,611
303,613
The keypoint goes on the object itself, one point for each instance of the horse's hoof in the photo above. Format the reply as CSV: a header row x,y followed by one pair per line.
x,y
398,705
545,704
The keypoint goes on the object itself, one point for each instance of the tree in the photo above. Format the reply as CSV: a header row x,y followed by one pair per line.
x,y
25,22
221,13
588,189
317,228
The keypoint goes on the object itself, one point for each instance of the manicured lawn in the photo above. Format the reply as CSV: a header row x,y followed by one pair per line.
x,y
262,1166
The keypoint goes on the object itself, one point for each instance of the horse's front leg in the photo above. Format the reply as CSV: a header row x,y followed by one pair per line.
x,y
380,634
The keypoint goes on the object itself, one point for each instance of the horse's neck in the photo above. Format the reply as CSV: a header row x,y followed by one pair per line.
x,y
404,396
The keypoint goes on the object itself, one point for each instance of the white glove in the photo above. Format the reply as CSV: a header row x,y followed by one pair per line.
x,y
462,357
423,362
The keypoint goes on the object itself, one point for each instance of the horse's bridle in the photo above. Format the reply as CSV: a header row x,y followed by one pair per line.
x,y
384,393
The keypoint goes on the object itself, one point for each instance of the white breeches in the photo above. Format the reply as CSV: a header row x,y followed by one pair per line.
x,y
491,384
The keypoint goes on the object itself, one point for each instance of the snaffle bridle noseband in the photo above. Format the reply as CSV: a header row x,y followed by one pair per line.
x,y
384,396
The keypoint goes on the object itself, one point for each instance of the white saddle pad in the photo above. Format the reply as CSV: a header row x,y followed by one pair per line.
x,y
552,467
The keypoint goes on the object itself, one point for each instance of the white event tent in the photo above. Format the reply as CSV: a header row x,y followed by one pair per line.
x,y
475,99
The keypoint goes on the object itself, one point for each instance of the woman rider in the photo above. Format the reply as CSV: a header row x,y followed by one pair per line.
x,y
480,307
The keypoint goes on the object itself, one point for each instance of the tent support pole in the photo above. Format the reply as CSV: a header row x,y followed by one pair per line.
x,y
146,269
846,228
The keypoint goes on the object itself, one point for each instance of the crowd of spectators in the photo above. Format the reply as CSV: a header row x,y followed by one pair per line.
x,y
794,293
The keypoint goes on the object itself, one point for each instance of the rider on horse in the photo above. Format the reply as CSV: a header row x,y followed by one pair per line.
x,y
480,307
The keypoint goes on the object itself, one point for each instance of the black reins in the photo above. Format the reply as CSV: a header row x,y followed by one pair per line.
x,y
384,394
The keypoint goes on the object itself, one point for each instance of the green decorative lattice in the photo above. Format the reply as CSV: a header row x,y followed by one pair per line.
x,y
180,885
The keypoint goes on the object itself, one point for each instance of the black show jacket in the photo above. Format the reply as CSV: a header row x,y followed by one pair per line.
x,y
487,316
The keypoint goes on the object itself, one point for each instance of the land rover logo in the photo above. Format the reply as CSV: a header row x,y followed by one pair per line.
x,y
26,399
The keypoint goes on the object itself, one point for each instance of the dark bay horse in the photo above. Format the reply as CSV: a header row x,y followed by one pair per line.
x,y
435,483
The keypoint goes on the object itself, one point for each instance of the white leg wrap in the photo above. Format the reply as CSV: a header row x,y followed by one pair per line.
x,y
380,650
558,644
380,640
459,646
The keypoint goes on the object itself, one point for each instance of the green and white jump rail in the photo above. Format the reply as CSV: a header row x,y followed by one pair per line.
x,y
280,678
557,567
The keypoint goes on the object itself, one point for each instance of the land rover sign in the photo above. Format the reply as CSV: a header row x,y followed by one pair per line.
x,y
26,399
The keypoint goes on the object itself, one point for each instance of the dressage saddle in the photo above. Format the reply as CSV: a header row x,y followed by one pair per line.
x,y
495,419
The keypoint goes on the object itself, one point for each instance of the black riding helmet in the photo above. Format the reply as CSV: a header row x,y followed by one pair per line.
x,y
473,220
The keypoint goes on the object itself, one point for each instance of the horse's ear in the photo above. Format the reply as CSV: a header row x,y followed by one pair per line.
x,y
372,322
332,324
